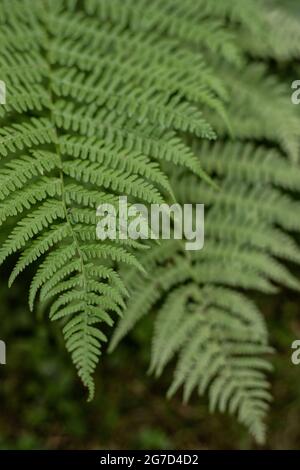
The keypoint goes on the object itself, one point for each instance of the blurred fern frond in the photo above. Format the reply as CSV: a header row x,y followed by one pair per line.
x,y
249,226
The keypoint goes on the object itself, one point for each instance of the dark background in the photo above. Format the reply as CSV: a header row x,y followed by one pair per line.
x,y
43,405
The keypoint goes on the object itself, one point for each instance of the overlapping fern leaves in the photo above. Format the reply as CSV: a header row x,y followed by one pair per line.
x,y
94,109
109,97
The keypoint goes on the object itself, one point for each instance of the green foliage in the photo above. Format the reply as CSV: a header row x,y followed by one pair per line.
x,y
81,116
110,97
216,333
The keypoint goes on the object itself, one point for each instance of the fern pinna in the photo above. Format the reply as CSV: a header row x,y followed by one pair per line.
x,y
110,97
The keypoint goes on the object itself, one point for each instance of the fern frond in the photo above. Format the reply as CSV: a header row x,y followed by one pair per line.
x,y
209,328
73,137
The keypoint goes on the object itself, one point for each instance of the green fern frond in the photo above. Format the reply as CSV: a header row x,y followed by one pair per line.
x,y
209,328
216,332
73,137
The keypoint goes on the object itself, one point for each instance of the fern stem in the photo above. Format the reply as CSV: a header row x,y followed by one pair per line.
x,y
61,175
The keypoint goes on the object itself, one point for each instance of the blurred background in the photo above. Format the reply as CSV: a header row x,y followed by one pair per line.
x,y
43,405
